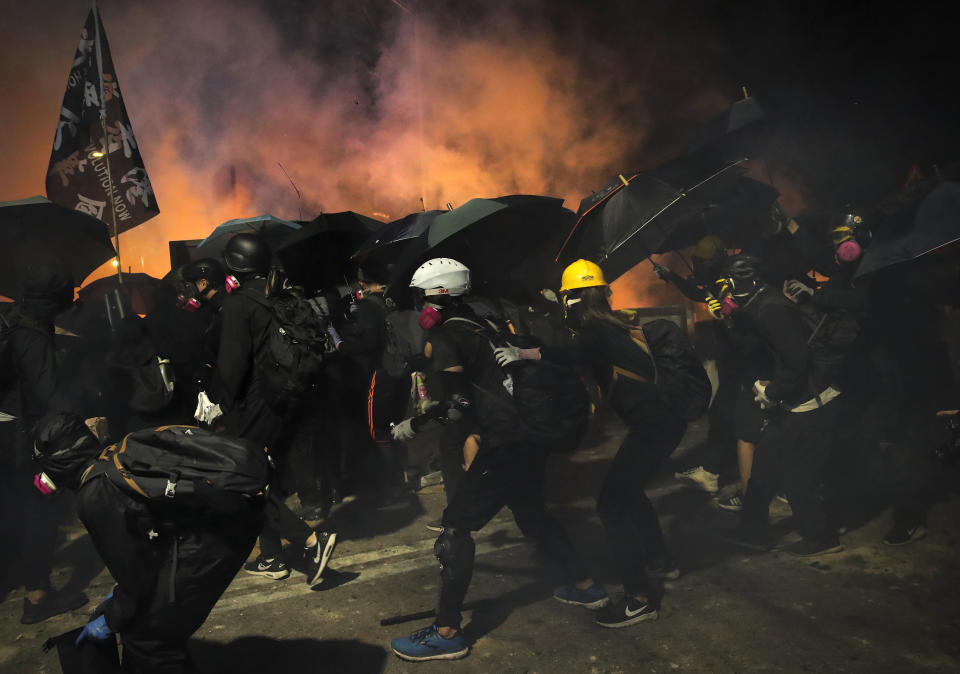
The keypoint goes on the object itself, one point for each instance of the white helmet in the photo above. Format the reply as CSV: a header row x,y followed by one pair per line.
x,y
442,276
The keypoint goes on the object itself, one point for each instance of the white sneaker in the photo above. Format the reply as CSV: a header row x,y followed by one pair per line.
x,y
701,478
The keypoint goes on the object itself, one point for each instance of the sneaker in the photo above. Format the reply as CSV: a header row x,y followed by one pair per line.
x,y
626,612
435,525
54,602
593,597
783,498
749,538
273,568
318,555
733,503
901,534
427,644
662,569
807,548
701,478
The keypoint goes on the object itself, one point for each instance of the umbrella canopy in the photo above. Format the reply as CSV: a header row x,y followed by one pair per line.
x,y
506,242
270,228
385,244
634,217
933,224
141,289
80,241
318,255
735,133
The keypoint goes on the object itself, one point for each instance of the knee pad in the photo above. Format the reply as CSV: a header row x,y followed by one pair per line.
x,y
452,546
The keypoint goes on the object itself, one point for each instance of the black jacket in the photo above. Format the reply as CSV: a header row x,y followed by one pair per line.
x,y
244,330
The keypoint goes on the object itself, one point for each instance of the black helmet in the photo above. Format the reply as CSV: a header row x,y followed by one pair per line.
x,y
247,253
64,447
205,268
742,275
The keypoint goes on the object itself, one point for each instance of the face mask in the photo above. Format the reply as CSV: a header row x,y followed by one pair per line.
x,y
728,305
44,484
429,317
848,251
232,283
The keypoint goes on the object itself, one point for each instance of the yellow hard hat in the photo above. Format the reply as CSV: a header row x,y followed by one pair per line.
x,y
708,246
581,274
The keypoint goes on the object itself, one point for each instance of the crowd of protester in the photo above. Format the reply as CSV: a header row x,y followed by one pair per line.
x,y
817,380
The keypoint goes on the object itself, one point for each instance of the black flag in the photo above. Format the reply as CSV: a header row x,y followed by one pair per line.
x,y
81,175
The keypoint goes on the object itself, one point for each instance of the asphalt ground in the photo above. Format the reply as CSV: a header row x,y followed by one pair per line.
x,y
870,608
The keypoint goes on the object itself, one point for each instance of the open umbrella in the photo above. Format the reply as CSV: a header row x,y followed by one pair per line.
x,y
140,289
270,228
732,124
318,254
638,215
934,223
79,240
385,245
506,242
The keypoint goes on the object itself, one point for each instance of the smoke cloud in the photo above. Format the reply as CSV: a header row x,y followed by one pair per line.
x,y
368,106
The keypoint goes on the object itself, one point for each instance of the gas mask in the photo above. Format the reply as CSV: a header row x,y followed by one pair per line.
x,y
232,284
189,300
849,239
430,316
44,484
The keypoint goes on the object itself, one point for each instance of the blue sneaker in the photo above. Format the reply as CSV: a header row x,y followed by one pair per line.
x,y
427,644
593,597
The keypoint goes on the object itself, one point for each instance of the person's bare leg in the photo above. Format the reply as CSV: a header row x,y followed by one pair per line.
x,y
744,462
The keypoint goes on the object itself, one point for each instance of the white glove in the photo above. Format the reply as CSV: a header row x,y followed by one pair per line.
x,y
761,396
207,411
335,336
403,431
506,355
795,290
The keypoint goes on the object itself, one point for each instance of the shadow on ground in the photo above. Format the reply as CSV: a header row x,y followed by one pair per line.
x,y
258,655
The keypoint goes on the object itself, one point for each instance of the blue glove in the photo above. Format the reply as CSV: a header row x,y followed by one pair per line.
x,y
96,630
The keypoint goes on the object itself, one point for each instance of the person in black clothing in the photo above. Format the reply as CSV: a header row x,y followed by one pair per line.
x,y
44,292
169,569
507,471
362,342
237,393
623,367
207,277
801,400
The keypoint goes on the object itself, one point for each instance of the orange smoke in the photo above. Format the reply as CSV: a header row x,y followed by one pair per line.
x,y
218,97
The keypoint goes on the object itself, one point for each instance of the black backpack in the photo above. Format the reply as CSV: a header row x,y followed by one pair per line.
x,y
551,400
404,339
185,468
678,373
296,343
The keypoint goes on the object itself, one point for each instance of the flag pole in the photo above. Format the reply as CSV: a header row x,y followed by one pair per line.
x,y
106,148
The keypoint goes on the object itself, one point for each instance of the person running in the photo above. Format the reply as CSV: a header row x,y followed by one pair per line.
x,y
507,471
622,365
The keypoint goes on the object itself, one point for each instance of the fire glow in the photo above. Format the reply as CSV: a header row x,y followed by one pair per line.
x,y
218,97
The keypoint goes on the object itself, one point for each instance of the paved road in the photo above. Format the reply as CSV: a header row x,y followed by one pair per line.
x,y
871,608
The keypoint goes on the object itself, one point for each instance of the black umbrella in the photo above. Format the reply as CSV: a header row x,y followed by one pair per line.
x,y
319,254
140,289
271,229
386,244
735,133
934,223
80,241
634,217
506,242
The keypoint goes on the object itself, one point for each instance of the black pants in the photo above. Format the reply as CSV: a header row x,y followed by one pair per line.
x,y
631,524
156,641
793,454
450,448
511,476
29,519
279,521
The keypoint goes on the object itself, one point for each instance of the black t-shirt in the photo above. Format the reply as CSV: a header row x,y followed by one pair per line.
x,y
456,343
